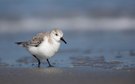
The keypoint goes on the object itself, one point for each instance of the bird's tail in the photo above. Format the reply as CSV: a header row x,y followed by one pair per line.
x,y
23,44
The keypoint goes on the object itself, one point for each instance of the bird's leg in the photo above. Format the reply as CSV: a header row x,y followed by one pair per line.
x,y
49,63
38,61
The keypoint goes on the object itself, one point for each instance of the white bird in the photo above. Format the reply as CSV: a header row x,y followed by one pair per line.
x,y
44,45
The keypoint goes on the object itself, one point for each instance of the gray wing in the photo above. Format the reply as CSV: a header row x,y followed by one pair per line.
x,y
36,40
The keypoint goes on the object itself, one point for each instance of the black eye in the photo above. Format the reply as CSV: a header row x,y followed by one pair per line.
x,y
56,34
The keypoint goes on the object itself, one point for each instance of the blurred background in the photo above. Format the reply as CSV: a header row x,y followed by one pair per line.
x,y
29,15
100,33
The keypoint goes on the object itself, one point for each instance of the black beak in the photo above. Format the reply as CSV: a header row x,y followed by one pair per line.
x,y
63,40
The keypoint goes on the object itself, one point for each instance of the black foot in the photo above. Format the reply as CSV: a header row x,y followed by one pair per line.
x,y
50,66
38,65
49,63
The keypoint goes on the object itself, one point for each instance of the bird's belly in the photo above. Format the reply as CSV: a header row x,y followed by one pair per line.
x,y
44,51
33,50
47,51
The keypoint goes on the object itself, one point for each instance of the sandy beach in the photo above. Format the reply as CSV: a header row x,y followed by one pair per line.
x,y
79,75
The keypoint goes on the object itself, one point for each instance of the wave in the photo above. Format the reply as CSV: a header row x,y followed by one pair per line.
x,y
74,23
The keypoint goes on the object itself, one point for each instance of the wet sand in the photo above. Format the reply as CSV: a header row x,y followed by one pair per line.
x,y
79,75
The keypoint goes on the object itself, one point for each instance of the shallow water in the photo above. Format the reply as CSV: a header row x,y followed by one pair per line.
x,y
95,49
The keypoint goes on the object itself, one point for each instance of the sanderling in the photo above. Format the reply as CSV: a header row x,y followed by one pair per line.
x,y
44,45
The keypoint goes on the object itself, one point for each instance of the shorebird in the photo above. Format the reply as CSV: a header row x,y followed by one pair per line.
x,y
44,45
